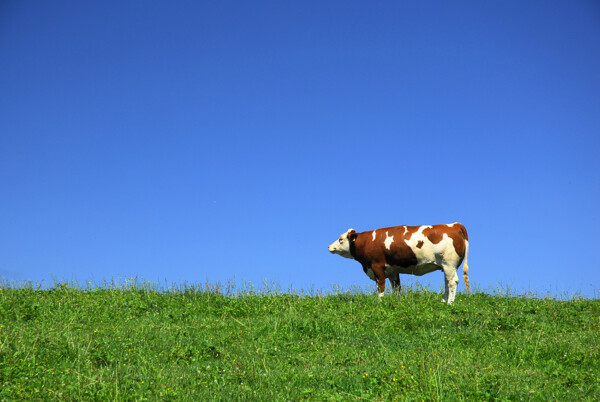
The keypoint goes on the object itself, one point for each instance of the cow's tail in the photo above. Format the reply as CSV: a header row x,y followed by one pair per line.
x,y
466,268
465,236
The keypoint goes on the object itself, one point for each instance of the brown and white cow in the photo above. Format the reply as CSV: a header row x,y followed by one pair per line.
x,y
416,250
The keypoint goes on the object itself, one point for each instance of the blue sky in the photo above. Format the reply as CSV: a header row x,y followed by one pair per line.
x,y
207,141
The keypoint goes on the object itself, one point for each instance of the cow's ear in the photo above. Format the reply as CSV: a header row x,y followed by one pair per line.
x,y
352,236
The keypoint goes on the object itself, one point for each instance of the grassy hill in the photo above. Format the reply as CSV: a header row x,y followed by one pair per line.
x,y
131,342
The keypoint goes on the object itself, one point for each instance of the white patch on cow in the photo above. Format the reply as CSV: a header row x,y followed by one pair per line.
x,y
342,245
374,234
429,253
405,230
388,240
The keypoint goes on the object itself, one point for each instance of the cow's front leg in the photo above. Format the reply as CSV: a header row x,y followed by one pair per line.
x,y
396,283
380,275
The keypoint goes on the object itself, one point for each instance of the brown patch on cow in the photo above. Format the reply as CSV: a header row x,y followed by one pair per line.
x,y
420,244
459,246
435,234
462,230
458,234
409,231
374,253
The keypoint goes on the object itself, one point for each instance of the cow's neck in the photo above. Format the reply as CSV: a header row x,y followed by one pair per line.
x,y
353,247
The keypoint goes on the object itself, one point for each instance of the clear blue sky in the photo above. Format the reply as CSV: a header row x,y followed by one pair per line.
x,y
193,141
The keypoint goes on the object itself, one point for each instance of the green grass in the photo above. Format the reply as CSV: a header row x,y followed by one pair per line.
x,y
133,342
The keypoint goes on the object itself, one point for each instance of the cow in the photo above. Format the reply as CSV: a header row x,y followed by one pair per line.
x,y
416,250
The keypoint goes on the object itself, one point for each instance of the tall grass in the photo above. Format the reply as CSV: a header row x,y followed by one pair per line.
x,y
137,340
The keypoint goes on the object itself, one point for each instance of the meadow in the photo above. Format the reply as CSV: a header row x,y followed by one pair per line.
x,y
212,342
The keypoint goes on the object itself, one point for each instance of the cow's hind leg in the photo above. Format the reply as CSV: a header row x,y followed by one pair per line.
x,y
395,281
451,283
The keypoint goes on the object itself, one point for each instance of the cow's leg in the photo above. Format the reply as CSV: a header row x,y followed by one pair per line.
x,y
396,283
451,282
445,297
379,272
381,286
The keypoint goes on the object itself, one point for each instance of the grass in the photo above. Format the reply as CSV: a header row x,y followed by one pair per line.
x,y
204,343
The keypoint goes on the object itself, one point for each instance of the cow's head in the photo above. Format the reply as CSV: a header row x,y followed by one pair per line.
x,y
342,245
